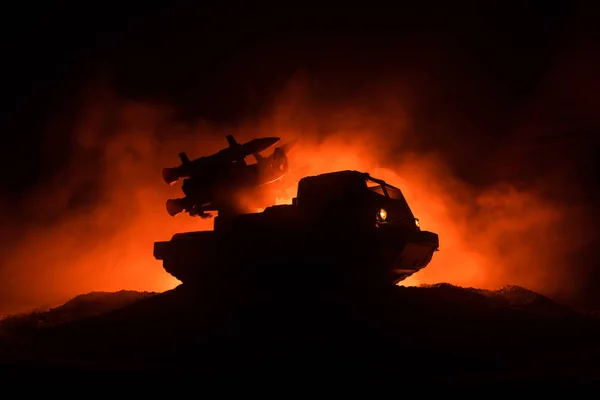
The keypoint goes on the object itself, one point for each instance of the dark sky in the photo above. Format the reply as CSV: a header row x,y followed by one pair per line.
x,y
479,66
474,74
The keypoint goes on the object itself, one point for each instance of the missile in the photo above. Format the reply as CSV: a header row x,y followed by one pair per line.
x,y
234,153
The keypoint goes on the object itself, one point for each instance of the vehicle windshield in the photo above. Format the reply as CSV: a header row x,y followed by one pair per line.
x,y
394,193
385,190
375,187
399,211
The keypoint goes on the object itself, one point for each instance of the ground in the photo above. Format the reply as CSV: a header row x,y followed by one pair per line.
x,y
434,334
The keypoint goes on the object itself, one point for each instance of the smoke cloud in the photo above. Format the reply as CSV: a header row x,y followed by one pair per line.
x,y
95,223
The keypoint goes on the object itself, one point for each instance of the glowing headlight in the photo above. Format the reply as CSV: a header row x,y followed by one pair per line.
x,y
382,214
417,223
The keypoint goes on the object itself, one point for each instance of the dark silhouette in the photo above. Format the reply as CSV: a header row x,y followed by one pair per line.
x,y
305,293
471,85
344,229
215,182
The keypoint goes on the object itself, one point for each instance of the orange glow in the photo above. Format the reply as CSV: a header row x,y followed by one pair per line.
x,y
488,237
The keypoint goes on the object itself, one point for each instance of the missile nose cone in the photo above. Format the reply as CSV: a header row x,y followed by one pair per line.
x,y
271,140
266,141
260,144
289,145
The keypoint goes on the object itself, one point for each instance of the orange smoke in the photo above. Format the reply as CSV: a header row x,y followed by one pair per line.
x,y
489,237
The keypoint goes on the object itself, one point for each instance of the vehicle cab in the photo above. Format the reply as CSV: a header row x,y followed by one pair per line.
x,y
353,199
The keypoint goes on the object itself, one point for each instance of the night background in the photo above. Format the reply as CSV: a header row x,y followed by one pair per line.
x,y
502,95
476,73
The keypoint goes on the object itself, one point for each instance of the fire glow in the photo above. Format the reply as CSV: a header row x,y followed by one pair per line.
x,y
488,238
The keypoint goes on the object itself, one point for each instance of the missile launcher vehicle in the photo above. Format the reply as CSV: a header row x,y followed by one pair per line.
x,y
342,228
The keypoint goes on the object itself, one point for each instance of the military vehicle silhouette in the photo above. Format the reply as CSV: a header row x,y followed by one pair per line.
x,y
210,182
344,227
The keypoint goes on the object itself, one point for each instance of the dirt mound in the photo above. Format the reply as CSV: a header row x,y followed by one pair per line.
x,y
435,332
510,296
82,306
